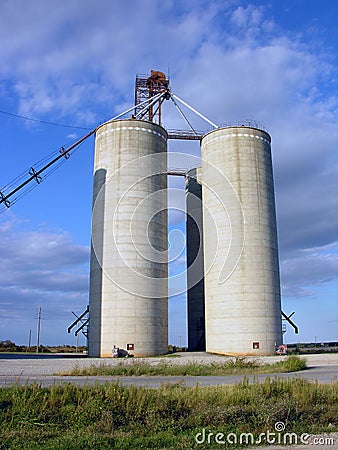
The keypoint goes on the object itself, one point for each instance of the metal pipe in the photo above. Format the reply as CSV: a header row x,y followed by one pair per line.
x,y
182,114
287,318
35,174
4,198
155,99
130,109
196,112
78,318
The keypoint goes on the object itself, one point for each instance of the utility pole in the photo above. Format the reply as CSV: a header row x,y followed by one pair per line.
x,y
38,331
29,340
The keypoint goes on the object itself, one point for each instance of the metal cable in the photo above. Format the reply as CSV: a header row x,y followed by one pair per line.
x,y
182,113
43,121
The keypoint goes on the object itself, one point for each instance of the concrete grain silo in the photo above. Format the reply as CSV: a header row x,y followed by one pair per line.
x,y
195,265
242,306
128,276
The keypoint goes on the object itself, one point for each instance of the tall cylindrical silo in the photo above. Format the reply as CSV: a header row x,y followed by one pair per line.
x,y
195,262
128,305
242,284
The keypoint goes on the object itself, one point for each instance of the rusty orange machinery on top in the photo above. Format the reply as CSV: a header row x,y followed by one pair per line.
x,y
147,87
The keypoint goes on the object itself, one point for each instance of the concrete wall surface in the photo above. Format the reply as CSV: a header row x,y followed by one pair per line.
x,y
195,262
242,284
128,277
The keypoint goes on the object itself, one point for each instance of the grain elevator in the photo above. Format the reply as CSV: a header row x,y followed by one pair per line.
x,y
233,294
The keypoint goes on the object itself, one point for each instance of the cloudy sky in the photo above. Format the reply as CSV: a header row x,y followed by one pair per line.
x,y
74,62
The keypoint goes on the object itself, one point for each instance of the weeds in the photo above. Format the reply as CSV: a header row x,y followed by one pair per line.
x,y
232,366
111,416
294,364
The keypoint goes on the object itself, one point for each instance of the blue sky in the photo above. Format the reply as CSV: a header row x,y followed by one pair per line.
x,y
73,62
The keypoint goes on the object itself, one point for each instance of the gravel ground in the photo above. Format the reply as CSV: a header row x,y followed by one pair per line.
x,y
33,365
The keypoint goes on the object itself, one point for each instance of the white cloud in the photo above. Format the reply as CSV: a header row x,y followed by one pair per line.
x,y
248,17
306,269
41,267
53,63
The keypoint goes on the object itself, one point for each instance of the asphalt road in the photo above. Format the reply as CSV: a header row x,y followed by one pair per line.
x,y
41,369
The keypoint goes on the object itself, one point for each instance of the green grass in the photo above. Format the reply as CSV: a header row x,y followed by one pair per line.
x,y
293,364
232,366
114,417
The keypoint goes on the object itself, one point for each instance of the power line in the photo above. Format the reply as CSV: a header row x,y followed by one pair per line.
x,y
43,121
